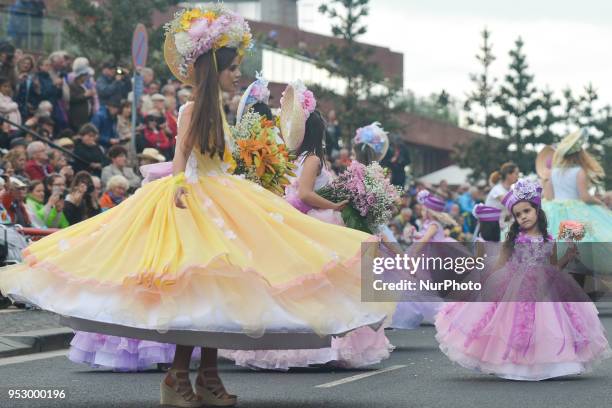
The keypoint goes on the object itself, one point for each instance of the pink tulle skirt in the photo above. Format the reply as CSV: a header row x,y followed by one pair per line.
x,y
523,340
359,348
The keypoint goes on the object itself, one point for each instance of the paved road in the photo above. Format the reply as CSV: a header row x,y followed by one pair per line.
x,y
418,376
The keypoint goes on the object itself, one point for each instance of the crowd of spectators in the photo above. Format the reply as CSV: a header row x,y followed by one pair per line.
x,y
86,160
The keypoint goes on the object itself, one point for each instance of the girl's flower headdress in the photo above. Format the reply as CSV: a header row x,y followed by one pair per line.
x,y
374,136
256,92
195,31
430,201
523,190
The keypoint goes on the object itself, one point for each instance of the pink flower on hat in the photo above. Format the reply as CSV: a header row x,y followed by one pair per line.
x,y
309,103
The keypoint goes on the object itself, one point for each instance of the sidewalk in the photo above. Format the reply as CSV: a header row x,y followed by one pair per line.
x,y
31,331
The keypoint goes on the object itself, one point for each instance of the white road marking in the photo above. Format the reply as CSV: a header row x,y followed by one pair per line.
x,y
32,357
359,377
11,310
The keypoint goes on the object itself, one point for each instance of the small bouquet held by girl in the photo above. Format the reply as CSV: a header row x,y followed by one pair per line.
x,y
371,196
258,154
572,231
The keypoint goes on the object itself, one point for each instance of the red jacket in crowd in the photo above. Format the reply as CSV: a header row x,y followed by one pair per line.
x,y
37,172
157,139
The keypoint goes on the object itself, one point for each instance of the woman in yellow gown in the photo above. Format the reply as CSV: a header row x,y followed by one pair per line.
x,y
203,257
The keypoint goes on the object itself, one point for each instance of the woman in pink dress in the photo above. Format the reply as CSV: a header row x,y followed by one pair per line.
x,y
364,346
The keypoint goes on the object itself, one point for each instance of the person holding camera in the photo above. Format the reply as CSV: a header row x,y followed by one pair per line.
x,y
82,202
49,214
113,84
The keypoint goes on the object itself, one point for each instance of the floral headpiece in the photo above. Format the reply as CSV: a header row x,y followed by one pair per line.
x,y
523,190
374,136
197,30
304,96
256,92
430,201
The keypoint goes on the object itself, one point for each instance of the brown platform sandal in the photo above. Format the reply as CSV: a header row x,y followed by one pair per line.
x,y
211,391
176,390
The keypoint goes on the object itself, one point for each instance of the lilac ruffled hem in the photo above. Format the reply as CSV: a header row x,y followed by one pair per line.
x,y
120,353
360,348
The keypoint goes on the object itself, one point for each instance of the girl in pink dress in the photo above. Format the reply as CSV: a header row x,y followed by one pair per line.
x,y
361,347
519,336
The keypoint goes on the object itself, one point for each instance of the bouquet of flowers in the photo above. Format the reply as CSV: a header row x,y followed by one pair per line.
x,y
260,154
571,231
371,196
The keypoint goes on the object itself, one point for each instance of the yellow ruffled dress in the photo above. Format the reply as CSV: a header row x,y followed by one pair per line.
x,y
239,268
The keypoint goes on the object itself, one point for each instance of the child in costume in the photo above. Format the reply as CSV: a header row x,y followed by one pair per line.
x,y
361,347
521,336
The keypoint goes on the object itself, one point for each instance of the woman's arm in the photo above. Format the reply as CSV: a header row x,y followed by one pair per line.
x,y
547,189
184,143
583,189
306,186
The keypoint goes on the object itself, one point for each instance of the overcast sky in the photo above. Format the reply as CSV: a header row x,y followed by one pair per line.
x,y
567,42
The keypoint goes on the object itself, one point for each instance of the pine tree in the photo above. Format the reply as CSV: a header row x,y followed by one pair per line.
x,y
519,105
479,101
103,30
360,104
604,125
587,114
570,116
548,118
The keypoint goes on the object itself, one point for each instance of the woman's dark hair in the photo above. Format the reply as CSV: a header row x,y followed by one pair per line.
x,y
117,151
503,172
263,109
82,177
206,126
33,184
69,133
3,80
88,128
48,183
542,223
124,104
313,137
490,231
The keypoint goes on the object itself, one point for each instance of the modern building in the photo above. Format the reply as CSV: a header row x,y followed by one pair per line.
x,y
282,12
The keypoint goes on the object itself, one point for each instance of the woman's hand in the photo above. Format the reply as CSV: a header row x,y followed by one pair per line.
x,y
53,200
340,206
179,193
76,195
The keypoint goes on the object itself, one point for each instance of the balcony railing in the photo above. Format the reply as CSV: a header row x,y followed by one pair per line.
x,y
31,33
